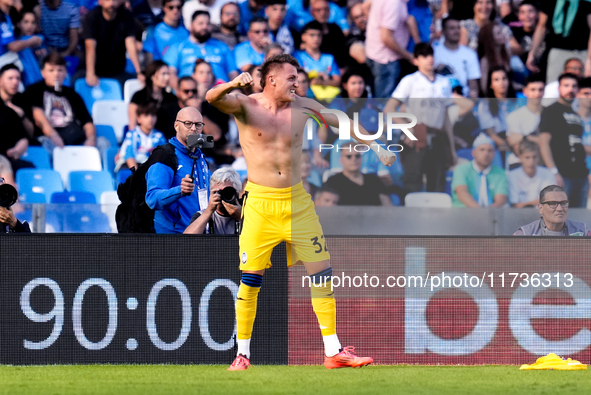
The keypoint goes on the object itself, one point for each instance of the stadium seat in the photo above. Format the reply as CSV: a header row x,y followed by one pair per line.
x,y
108,133
395,199
32,197
79,197
112,113
85,219
75,158
428,199
95,182
109,203
122,175
107,89
53,221
43,181
109,160
37,156
130,88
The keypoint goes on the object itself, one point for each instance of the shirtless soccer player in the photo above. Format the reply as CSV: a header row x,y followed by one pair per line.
x,y
277,207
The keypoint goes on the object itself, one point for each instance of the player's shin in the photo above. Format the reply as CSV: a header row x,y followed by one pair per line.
x,y
246,309
324,306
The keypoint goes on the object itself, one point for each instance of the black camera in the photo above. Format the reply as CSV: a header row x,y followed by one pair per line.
x,y
199,141
228,195
8,195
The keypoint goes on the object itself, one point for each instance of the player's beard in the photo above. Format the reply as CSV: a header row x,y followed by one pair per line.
x,y
202,37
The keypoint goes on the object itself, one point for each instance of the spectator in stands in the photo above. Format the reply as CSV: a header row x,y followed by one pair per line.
x,y
60,22
553,206
461,60
492,51
181,58
8,222
223,213
109,32
275,12
140,141
213,7
572,66
227,32
27,28
523,30
74,124
356,38
252,52
561,130
479,183
492,113
333,39
523,123
250,9
272,50
10,80
177,195
584,111
385,46
203,75
303,89
166,34
155,91
354,187
255,72
13,143
299,13
525,181
306,170
565,29
435,154
186,97
8,41
484,13
326,197
321,67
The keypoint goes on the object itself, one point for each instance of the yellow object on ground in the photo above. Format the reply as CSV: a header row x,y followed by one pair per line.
x,y
554,362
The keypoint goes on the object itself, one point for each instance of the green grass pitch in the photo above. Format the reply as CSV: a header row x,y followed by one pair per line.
x,y
309,380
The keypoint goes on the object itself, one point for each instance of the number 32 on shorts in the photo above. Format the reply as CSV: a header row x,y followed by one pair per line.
x,y
317,244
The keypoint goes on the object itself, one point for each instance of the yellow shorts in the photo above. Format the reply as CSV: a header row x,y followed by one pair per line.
x,y
273,215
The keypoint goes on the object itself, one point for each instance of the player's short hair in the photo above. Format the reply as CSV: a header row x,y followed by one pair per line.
x,y
9,66
536,77
585,83
314,25
200,12
528,146
446,20
224,174
564,76
146,109
53,59
273,62
423,49
550,188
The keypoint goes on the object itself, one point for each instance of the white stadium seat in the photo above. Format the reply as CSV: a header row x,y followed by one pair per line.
x,y
112,113
74,158
131,86
428,199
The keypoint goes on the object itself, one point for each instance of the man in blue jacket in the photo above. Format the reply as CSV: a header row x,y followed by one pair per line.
x,y
176,194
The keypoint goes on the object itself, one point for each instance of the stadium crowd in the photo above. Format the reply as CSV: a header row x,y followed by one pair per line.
x,y
501,89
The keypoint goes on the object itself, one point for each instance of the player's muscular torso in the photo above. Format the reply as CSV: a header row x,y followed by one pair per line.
x,y
272,142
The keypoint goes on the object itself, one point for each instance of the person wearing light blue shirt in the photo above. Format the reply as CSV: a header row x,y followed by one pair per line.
x,y
168,33
252,52
297,16
200,45
249,9
312,60
275,12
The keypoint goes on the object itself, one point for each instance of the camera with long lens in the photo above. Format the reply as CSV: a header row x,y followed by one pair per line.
x,y
199,141
8,195
228,195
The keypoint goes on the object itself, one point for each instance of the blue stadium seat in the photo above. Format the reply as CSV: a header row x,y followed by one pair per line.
x,y
395,199
53,221
32,197
108,89
109,160
39,181
38,156
122,175
85,219
73,197
95,182
107,132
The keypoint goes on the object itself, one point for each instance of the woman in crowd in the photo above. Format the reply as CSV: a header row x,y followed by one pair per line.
x,y
492,50
155,91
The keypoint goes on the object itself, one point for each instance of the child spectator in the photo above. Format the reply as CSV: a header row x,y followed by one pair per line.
x,y
27,28
321,67
140,142
526,182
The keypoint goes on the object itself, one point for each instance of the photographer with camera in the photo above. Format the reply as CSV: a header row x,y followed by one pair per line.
x,y
222,215
8,222
176,192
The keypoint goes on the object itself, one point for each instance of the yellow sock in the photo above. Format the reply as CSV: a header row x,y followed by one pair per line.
x,y
324,306
246,310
